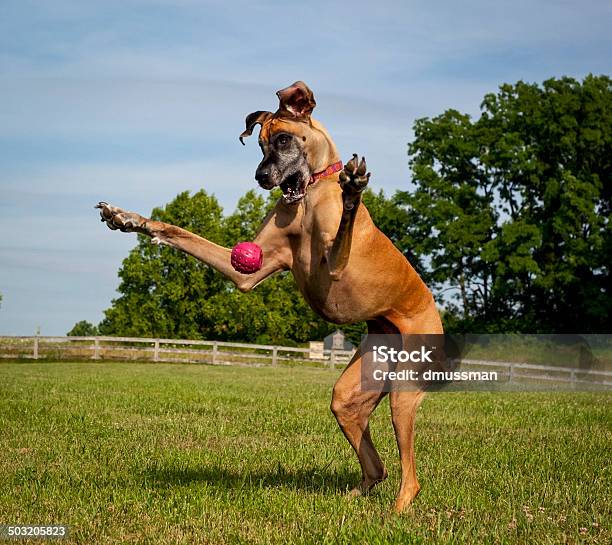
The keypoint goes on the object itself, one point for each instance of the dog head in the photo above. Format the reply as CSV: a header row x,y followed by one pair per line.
x,y
294,145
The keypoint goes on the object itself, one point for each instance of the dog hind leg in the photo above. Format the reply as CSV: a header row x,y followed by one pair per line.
x,y
404,406
352,408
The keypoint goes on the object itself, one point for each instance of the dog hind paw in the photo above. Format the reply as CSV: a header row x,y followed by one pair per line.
x,y
353,179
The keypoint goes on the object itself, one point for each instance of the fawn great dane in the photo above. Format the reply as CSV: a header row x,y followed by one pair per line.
x,y
346,269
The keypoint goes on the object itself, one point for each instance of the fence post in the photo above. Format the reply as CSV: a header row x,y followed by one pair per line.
x,y
510,372
573,379
274,355
156,350
332,359
96,354
35,354
215,351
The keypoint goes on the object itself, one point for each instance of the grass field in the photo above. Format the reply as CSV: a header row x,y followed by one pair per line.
x,y
155,453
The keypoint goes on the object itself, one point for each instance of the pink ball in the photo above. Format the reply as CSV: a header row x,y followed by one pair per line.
x,y
247,257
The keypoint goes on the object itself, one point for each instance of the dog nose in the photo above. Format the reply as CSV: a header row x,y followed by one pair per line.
x,y
262,176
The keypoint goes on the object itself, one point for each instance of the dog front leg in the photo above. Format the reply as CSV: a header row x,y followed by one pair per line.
x,y
270,239
353,180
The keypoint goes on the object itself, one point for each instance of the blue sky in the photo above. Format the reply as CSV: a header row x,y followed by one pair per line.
x,y
133,101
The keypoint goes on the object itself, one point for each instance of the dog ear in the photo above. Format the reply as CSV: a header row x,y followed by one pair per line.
x,y
258,117
296,101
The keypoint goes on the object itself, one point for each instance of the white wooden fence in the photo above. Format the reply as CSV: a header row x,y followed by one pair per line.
x,y
518,372
166,350
225,353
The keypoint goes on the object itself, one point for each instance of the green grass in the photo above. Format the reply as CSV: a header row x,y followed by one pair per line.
x,y
162,453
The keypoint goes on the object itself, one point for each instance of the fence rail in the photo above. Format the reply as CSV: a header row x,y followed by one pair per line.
x,y
226,353
519,372
167,350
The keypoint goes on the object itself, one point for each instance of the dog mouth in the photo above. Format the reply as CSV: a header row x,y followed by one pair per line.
x,y
293,188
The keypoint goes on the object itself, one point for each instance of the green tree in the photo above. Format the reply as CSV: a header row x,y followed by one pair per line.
x,y
165,293
83,329
511,212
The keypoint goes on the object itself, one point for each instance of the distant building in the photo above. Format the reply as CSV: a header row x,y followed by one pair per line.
x,y
337,341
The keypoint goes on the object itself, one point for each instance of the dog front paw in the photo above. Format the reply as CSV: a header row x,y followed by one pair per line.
x,y
117,218
353,180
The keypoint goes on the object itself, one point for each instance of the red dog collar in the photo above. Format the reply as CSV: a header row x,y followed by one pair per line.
x,y
331,169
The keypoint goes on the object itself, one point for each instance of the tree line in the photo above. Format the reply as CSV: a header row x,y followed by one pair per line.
x,y
507,219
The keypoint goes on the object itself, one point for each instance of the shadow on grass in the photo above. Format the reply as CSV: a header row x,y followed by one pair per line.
x,y
321,480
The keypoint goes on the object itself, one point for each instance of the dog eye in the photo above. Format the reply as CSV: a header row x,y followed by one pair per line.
x,y
282,140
